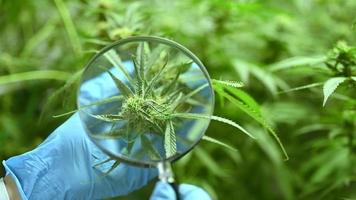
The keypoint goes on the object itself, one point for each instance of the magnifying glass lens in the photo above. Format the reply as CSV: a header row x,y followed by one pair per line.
x,y
141,100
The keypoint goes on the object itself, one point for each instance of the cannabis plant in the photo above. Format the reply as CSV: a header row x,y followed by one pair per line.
x,y
156,98
338,65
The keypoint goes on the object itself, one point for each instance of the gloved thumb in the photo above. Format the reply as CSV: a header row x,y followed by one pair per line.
x,y
164,191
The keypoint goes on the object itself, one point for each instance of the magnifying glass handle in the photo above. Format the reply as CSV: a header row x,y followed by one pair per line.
x,y
165,174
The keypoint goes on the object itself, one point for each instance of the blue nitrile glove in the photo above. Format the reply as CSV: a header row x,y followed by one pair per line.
x,y
164,191
62,167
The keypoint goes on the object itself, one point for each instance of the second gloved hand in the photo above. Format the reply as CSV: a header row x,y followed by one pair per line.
x,y
164,191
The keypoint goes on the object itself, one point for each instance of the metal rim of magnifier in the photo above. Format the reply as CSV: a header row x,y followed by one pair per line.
x,y
167,42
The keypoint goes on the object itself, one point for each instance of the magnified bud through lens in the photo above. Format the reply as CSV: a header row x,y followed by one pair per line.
x,y
144,100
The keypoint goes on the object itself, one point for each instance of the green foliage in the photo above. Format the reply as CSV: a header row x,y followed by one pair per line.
x,y
282,51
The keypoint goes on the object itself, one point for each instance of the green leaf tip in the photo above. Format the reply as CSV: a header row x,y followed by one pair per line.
x,y
170,143
216,118
215,141
330,86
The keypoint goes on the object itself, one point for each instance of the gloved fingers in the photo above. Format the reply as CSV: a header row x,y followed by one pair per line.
x,y
131,178
188,191
145,175
123,179
164,191
15,177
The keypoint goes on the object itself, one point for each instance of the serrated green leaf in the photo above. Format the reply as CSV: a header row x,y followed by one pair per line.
x,y
235,84
108,117
136,69
115,60
330,86
216,118
141,60
250,107
140,67
232,123
215,141
140,81
170,143
126,91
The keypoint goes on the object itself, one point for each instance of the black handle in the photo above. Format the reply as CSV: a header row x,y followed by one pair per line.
x,y
175,187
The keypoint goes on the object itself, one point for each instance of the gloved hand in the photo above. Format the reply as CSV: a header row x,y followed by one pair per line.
x,y
62,167
164,191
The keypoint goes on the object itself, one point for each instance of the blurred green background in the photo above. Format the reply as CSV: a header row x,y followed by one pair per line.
x,y
270,45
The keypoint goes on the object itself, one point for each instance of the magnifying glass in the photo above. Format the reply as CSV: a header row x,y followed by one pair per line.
x,y
145,95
